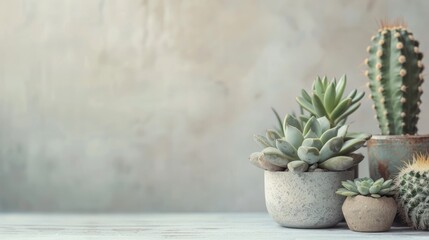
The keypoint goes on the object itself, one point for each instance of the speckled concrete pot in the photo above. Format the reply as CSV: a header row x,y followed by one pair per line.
x,y
305,200
367,214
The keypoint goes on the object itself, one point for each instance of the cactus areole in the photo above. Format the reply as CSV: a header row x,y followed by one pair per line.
x,y
395,78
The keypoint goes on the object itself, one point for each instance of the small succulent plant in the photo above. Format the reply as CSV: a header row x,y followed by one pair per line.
x,y
395,77
327,100
413,192
308,146
367,187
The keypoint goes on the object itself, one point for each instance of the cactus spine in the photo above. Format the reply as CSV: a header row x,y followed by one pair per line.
x,y
413,192
394,72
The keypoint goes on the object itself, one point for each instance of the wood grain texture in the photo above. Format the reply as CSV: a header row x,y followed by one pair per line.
x,y
173,226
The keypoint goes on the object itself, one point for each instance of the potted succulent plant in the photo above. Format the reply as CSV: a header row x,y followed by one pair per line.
x,y
395,77
413,192
370,205
308,156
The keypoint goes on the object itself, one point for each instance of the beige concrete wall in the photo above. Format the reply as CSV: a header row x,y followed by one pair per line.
x,y
133,105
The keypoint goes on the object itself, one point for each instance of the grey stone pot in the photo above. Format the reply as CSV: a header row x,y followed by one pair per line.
x,y
367,214
305,200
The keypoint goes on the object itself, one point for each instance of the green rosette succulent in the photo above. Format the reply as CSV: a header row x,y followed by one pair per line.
x,y
311,145
367,187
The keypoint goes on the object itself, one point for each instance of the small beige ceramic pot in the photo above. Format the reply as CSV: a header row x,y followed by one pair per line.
x,y
367,214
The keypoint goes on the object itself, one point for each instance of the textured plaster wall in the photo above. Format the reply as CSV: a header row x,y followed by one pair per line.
x,y
133,105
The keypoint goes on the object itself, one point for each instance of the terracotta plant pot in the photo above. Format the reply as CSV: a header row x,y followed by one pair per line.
x,y
387,154
367,214
305,200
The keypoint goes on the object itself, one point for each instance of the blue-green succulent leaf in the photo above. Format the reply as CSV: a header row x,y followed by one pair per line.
x,y
331,148
275,157
309,155
286,148
293,136
297,166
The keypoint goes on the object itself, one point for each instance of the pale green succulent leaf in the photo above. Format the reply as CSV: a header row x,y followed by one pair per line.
x,y
349,111
318,87
340,89
349,186
310,134
312,142
363,190
305,95
331,148
342,131
275,157
263,141
297,166
307,126
365,180
387,183
358,135
352,94
286,148
293,136
329,134
329,98
379,181
325,82
339,163
273,134
290,120
279,120
351,146
318,106
304,119
374,195
345,192
388,191
324,124
306,105
315,127
375,188
358,97
258,160
340,108
309,155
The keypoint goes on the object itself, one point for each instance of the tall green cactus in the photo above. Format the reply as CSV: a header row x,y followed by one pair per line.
x,y
394,72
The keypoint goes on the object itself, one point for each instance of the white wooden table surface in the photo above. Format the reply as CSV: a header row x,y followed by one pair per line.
x,y
174,226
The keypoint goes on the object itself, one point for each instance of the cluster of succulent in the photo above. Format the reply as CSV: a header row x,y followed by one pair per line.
x,y
367,187
319,141
413,192
395,77
309,146
327,100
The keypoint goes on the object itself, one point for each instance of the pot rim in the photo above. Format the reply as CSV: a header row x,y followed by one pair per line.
x,y
384,137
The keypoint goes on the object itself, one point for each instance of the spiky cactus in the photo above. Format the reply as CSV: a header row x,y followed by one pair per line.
x,y
367,187
327,100
413,192
307,146
395,77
